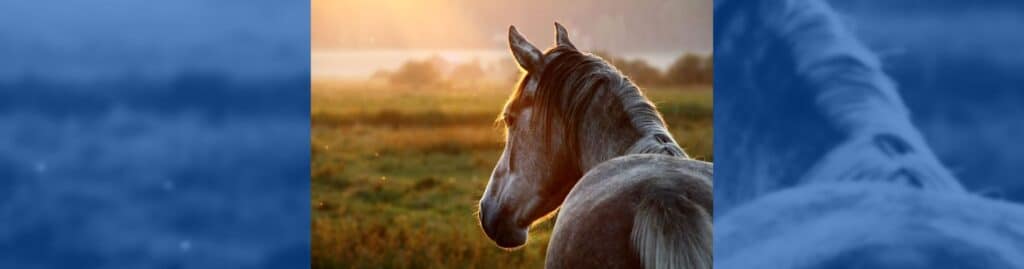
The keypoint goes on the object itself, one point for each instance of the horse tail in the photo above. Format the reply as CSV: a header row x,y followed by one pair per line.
x,y
671,230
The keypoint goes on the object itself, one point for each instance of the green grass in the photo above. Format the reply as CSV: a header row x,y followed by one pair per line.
x,y
396,172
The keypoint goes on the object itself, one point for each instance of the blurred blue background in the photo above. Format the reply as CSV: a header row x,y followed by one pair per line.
x,y
154,134
869,134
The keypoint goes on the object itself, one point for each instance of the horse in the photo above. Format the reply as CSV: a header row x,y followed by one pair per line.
x,y
821,163
799,84
583,139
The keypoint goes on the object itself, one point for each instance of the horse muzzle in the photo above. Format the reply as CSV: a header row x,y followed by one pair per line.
x,y
498,224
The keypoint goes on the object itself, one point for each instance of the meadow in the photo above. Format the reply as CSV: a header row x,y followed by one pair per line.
x,y
397,171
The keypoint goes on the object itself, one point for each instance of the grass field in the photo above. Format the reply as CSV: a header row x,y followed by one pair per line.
x,y
397,172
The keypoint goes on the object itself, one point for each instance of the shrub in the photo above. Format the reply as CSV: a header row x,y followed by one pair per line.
x,y
415,72
691,69
468,71
638,70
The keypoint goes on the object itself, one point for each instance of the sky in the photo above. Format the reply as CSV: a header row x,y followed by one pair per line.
x,y
618,26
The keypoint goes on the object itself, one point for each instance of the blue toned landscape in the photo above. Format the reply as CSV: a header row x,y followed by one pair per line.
x,y
170,134
868,134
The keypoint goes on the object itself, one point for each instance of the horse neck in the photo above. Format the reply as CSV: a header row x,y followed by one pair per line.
x,y
628,124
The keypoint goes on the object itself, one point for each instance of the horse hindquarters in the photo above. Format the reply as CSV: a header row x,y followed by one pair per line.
x,y
641,211
588,238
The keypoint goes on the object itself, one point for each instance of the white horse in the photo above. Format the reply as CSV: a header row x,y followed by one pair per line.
x,y
580,135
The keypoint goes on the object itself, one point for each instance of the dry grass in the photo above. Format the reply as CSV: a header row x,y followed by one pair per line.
x,y
396,172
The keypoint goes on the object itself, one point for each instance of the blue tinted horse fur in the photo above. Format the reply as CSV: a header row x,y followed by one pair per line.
x,y
814,134
804,101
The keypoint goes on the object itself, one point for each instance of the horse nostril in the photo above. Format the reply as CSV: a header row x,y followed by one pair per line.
x,y
497,227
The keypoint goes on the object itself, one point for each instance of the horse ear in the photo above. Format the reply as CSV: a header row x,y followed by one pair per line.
x,y
528,56
562,36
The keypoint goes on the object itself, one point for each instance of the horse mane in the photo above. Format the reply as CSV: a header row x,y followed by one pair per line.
x,y
796,64
568,86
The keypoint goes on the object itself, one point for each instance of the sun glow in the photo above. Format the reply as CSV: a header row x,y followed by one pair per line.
x,y
390,24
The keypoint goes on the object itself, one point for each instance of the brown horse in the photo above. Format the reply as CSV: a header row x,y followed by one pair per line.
x,y
582,137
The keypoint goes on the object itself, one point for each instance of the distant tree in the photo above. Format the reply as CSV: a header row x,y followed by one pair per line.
x,y
415,72
638,70
708,70
469,72
688,69
641,72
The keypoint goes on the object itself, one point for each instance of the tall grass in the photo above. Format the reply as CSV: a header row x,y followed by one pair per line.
x,y
397,171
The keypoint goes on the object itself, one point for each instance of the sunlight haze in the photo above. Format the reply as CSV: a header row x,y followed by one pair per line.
x,y
347,35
